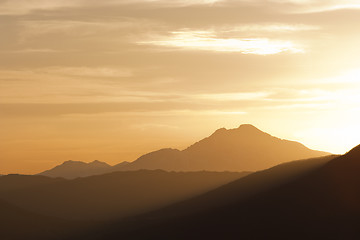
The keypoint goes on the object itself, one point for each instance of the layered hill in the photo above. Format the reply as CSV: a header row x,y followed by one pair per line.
x,y
115,195
18,182
242,149
323,203
108,196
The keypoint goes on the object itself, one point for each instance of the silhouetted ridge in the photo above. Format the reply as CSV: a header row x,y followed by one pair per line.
x,y
98,163
346,165
245,148
73,169
219,131
244,130
73,162
121,164
355,152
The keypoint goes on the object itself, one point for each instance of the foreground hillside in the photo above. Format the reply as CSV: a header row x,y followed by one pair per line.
x,y
197,217
323,203
19,224
113,195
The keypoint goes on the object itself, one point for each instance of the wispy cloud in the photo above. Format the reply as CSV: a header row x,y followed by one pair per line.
x,y
18,7
209,41
320,5
21,7
272,28
97,72
234,96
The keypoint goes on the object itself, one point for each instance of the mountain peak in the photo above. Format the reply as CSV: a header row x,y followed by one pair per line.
x,y
248,127
244,128
97,162
249,130
72,162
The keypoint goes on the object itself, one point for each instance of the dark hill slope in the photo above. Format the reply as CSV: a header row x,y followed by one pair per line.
x,y
18,224
115,195
322,204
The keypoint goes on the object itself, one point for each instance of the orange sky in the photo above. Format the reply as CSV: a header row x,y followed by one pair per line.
x,y
111,80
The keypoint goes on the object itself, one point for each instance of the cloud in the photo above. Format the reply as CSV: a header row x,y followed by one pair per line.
x,y
22,7
320,5
19,7
164,113
33,28
272,27
95,72
208,41
240,96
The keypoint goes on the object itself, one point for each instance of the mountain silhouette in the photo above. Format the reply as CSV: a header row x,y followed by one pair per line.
x,y
242,149
323,203
73,169
108,196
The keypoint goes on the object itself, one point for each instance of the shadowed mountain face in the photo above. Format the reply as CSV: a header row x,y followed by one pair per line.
x,y
243,149
113,195
323,203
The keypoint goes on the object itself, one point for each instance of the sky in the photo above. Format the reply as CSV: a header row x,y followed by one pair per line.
x,y
114,79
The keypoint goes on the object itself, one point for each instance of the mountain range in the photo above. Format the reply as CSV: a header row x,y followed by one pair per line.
x,y
313,198
245,148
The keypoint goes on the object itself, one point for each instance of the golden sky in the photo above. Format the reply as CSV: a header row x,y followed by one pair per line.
x,y
113,79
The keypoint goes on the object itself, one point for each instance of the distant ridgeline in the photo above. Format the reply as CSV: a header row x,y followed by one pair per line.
x,y
242,149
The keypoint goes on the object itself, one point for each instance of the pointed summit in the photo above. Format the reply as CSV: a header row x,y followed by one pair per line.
x,y
249,129
248,126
